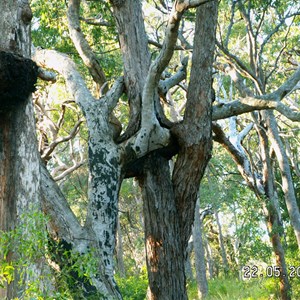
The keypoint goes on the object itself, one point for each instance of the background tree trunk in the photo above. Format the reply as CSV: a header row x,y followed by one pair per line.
x,y
221,244
200,262
275,228
286,176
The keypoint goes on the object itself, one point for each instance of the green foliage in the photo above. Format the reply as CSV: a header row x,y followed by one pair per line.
x,y
133,287
22,248
231,288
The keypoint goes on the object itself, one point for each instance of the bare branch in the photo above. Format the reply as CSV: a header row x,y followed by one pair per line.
x,y
114,94
46,75
167,84
95,21
63,220
69,170
81,44
239,156
242,68
250,104
290,85
47,152
230,24
158,45
61,63
163,59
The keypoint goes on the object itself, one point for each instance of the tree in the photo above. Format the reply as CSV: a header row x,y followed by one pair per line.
x,y
145,146
260,175
19,158
127,154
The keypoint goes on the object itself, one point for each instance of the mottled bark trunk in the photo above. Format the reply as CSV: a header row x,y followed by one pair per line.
x,y
165,258
19,162
74,239
200,263
104,185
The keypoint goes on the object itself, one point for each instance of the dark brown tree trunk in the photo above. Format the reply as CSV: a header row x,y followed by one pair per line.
x,y
171,204
194,133
165,257
275,236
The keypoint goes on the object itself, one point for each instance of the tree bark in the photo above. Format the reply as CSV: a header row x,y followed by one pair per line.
x,y
195,142
19,160
221,245
165,258
263,186
200,263
119,251
286,176
194,133
273,221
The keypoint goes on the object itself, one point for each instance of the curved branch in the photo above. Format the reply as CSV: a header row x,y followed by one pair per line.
x,y
165,85
163,59
81,45
114,94
250,104
46,75
240,65
69,170
243,163
63,221
61,63
53,144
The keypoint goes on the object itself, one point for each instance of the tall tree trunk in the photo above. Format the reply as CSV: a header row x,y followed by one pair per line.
x,y
210,262
273,221
200,264
263,186
286,176
188,264
165,258
19,161
221,245
195,143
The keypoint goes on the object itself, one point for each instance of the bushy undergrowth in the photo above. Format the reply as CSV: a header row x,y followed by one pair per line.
x,y
133,287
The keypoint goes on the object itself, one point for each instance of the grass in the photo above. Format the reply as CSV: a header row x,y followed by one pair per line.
x,y
134,288
233,289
